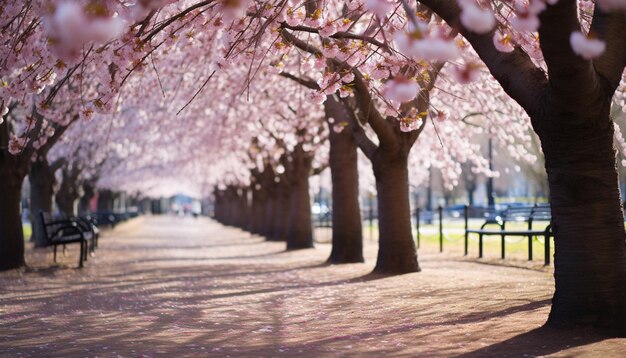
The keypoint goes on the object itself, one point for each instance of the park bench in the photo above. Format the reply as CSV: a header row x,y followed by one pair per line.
x,y
102,219
110,218
86,223
523,214
68,230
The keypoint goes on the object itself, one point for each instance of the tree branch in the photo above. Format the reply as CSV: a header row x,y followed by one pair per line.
x,y
58,132
319,170
289,37
57,164
169,21
572,78
305,82
368,110
515,71
610,28
339,35
364,99
361,139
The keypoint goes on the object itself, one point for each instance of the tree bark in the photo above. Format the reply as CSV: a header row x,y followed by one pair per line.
x,y
281,206
256,209
269,215
68,195
396,250
300,234
42,182
588,223
347,234
85,200
243,209
13,170
11,234
270,190
569,108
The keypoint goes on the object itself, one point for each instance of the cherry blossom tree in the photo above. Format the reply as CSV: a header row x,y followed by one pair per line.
x,y
565,82
395,71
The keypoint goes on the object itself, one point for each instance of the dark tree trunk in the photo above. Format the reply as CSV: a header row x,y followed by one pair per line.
x,y
230,203
85,200
269,215
105,201
282,209
300,234
243,209
396,251
67,199
219,209
42,182
270,191
11,234
13,170
259,197
347,239
588,222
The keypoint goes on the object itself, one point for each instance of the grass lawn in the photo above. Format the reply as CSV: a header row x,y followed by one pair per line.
x,y
28,230
453,239
454,235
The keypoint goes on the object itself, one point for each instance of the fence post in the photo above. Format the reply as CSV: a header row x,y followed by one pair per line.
x,y
417,225
465,214
440,208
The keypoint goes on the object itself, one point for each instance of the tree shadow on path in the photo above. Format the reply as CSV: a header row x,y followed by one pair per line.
x,y
538,342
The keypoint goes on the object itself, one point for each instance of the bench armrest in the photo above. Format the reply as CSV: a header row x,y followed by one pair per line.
x,y
66,229
84,223
60,222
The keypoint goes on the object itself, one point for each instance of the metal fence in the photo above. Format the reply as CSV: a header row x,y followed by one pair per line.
x,y
448,227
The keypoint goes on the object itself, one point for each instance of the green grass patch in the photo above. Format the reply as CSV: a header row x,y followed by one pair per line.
x,y
516,247
28,231
454,242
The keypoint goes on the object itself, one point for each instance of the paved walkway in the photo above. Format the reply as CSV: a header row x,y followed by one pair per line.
x,y
171,287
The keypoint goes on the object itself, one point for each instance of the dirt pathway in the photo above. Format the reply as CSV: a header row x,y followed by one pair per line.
x,y
170,287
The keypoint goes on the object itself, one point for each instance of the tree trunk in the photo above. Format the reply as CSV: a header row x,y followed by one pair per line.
x,y
67,198
588,223
347,231
13,170
396,251
347,239
42,181
300,234
11,234
269,214
85,200
281,213
243,212
256,209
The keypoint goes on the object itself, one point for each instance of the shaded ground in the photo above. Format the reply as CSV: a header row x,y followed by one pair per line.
x,y
170,287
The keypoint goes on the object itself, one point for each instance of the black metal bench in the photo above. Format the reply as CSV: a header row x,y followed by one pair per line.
x,y
527,214
110,218
87,224
63,231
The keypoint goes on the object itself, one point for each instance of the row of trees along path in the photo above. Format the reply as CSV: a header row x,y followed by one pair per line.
x,y
256,96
